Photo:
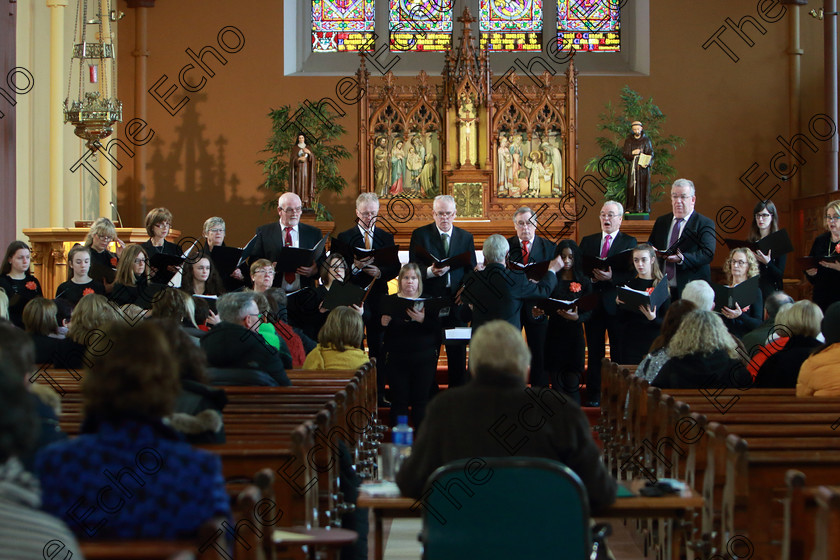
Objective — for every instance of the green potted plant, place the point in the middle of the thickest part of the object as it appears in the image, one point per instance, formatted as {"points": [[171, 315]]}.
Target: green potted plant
{"points": [[321, 131], [616, 122]]}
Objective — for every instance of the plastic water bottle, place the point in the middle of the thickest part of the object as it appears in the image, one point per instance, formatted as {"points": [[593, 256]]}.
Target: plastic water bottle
{"points": [[402, 436]]}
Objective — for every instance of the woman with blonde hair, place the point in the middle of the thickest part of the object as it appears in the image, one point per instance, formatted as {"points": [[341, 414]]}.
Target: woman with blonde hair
{"points": [[103, 263], [703, 354], [39, 320], [826, 276], [739, 267], [90, 316], [339, 342], [797, 328]]}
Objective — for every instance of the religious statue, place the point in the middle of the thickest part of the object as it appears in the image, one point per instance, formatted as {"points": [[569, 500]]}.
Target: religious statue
{"points": [[638, 151], [555, 158], [397, 168], [504, 169], [467, 149], [380, 167], [302, 166]]}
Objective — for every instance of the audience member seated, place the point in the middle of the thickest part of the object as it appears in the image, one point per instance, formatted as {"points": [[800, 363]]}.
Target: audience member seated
{"points": [[204, 318], [235, 343], [758, 337], [103, 263], [296, 340], [700, 293], [269, 333], [25, 530], [799, 324], [166, 488], [90, 315], [63, 314], [18, 353], [4, 305], [458, 420], [132, 280], [198, 409], [658, 354], [174, 304], [339, 342], [819, 375], [739, 267], [17, 280], [703, 354], [80, 283], [201, 278], [39, 320]]}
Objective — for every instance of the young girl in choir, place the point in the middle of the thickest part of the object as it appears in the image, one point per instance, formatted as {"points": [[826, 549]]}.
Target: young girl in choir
{"points": [[771, 268], [200, 278], [565, 347], [132, 281], [640, 327], [80, 283], [740, 266], [15, 278]]}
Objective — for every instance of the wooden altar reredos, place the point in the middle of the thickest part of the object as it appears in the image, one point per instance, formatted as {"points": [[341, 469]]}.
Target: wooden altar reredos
{"points": [[467, 136]]}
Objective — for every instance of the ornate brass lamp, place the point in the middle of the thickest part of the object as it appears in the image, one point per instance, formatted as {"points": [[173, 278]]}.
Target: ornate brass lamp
{"points": [[93, 70]]}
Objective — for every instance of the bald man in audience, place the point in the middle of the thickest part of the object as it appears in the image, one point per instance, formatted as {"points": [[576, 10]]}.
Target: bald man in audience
{"points": [[488, 411], [757, 337]]}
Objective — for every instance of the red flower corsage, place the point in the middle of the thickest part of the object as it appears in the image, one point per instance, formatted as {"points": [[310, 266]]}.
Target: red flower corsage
{"points": [[87, 291], [650, 290], [114, 261], [31, 285], [574, 287], [837, 248]]}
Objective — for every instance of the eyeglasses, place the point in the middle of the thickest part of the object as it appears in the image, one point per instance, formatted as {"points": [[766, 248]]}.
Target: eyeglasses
{"points": [[739, 263], [444, 214], [217, 230], [764, 216], [139, 261], [680, 196], [368, 214], [104, 237], [610, 215], [267, 271], [290, 210], [832, 218], [525, 224]]}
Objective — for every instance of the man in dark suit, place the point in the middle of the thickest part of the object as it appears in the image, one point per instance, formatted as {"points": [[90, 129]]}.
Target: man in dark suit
{"points": [[696, 234], [235, 342], [288, 232], [366, 235], [442, 239], [527, 247], [609, 242], [494, 292]]}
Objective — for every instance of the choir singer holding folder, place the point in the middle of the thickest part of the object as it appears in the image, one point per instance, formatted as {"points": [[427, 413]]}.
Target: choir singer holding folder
{"points": [[287, 232]]}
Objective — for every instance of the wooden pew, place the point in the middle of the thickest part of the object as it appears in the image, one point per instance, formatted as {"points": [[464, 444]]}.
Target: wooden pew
{"points": [[827, 546]]}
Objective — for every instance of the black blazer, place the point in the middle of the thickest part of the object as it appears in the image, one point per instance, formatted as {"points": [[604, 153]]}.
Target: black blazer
{"points": [[498, 293], [826, 281], [381, 238], [591, 245], [233, 346], [698, 255], [269, 243], [541, 249], [460, 241]]}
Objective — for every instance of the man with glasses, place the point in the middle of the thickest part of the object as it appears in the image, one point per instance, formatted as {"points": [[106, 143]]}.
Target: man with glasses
{"points": [[527, 247], [610, 241], [288, 232], [442, 239], [696, 234], [366, 235]]}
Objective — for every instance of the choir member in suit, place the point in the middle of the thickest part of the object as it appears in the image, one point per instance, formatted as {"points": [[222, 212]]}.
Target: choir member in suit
{"points": [[771, 268], [692, 260], [80, 283], [103, 263], [17, 280], [826, 277], [609, 242], [365, 234], [442, 239], [494, 292], [528, 247], [566, 349], [740, 266], [214, 235], [287, 232], [639, 330]]}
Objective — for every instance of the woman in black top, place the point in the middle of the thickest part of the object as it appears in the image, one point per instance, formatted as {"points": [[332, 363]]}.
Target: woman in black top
{"points": [[800, 324], [771, 268], [739, 267], [158, 224], [103, 263], [132, 283], [18, 282], [410, 346], [214, 235], [80, 283], [306, 309], [826, 277], [640, 327], [565, 347], [39, 320], [200, 278]]}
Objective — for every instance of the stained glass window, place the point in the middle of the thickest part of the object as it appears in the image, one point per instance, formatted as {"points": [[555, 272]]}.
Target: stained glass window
{"points": [[418, 25], [342, 25], [588, 25], [510, 25]]}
